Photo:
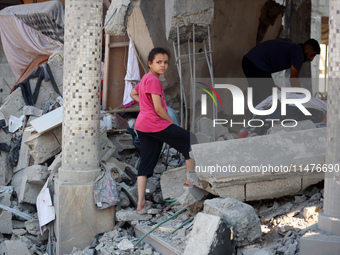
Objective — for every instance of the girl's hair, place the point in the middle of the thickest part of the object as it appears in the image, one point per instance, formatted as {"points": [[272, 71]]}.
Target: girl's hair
{"points": [[156, 51]]}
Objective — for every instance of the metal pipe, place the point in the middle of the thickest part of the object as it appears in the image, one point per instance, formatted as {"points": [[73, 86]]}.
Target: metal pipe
{"points": [[192, 127]]}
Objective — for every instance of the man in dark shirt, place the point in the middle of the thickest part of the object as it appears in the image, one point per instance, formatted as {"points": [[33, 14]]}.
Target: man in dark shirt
{"points": [[274, 56]]}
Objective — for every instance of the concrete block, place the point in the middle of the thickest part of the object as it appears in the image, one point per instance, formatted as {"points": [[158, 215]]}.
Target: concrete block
{"points": [[193, 199], [6, 222], [43, 147], [131, 215], [319, 243], [255, 251], [37, 174], [5, 199], [107, 148], [172, 182], [32, 111], [205, 126], [131, 192], [273, 189], [115, 18], [122, 142], [184, 14], [212, 238], [32, 227], [242, 217], [24, 156], [79, 221], [14, 247], [29, 191]]}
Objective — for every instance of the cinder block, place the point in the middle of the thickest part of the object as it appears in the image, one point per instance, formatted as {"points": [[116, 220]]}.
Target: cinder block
{"points": [[14, 247], [122, 142], [45, 146], [6, 222], [212, 238], [273, 189], [242, 217], [172, 182]]}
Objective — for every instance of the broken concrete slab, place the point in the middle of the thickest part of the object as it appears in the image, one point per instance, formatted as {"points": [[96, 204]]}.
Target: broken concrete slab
{"points": [[32, 227], [122, 142], [242, 217], [45, 146], [115, 19], [131, 215], [5, 222], [212, 238], [193, 199], [14, 247], [255, 251], [5, 199], [6, 172], [278, 161], [185, 13], [172, 182]]}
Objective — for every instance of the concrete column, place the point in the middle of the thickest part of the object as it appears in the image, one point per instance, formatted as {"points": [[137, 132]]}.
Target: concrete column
{"points": [[78, 220], [329, 221], [327, 239]]}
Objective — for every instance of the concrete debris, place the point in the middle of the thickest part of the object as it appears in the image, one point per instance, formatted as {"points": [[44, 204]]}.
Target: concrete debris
{"points": [[240, 216], [45, 146], [123, 143], [205, 126], [14, 247], [6, 222], [193, 199], [115, 19], [212, 238], [301, 125], [131, 215], [183, 14], [32, 111]]}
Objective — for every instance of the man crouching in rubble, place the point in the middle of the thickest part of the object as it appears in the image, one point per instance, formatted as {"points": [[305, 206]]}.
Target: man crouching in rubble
{"points": [[274, 56], [154, 125]]}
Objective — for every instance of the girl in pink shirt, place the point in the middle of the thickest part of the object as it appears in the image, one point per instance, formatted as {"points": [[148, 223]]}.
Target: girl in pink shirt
{"points": [[154, 125]]}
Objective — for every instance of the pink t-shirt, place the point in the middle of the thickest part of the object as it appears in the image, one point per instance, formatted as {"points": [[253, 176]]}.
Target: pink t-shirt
{"points": [[148, 120]]}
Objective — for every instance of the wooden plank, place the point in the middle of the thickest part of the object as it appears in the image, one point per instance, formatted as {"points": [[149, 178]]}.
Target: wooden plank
{"points": [[48, 121], [118, 44], [106, 71]]}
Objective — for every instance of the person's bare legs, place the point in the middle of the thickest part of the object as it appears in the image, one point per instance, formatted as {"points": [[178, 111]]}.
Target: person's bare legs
{"points": [[141, 187]]}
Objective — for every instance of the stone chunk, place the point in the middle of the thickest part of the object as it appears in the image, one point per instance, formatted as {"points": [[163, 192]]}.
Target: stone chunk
{"points": [[37, 174], [242, 217], [193, 199], [5, 223], [212, 238], [185, 13], [172, 182], [14, 247], [131, 215], [29, 191], [33, 111], [24, 156], [32, 226], [115, 17], [53, 168], [45, 146]]}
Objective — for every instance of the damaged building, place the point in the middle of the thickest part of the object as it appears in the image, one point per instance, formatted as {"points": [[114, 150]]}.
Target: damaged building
{"points": [[70, 153]]}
